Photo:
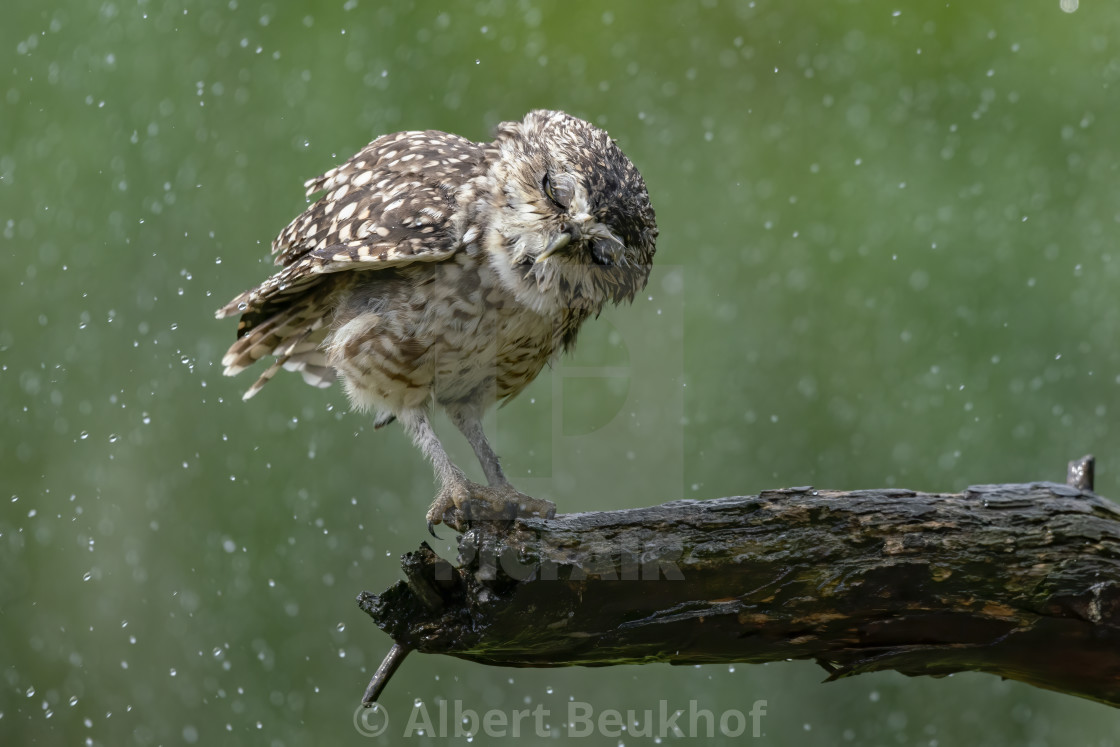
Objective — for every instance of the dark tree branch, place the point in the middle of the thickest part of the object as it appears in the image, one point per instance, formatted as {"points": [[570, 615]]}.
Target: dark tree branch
{"points": [[1022, 581]]}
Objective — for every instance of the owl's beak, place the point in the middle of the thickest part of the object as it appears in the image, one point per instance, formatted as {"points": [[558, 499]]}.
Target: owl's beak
{"points": [[569, 233], [559, 241]]}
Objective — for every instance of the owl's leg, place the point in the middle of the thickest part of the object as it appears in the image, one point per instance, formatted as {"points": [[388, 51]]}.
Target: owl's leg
{"points": [[500, 500], [451, 502], [460, 501], [470, 425]]}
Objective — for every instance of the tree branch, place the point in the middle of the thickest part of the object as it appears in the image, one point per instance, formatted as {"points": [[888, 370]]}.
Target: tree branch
{"points": [[1022, 581]]}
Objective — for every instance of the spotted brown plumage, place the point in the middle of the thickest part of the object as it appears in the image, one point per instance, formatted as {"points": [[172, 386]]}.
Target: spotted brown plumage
{"points": [[436, 271]]}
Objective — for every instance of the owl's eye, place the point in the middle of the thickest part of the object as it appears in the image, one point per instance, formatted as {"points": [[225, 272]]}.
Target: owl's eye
{"points": [[552, 193]]}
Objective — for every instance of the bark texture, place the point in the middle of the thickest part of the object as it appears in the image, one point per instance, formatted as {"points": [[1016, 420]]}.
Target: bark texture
{"points": [[1021, 581]]}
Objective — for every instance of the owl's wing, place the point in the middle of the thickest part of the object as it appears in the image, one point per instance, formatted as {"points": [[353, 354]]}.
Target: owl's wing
{"points": [[391, 204]]}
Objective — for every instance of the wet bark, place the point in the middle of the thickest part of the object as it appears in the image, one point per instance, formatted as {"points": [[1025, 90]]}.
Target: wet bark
{"points": [[1019, 580]]}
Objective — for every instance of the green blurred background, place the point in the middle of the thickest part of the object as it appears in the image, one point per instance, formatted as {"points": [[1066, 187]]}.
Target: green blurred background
{"points": [[888, 257]]}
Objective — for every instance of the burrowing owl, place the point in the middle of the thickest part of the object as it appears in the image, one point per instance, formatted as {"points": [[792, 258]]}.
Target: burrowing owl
{"points": [[436, 270]]}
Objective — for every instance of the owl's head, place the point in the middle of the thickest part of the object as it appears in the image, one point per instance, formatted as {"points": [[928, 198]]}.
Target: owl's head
{"points": [[570, 224]]}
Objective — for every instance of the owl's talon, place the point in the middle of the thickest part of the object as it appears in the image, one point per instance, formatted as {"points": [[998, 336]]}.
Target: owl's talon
{"points": [[460, 506], [432, 529]]}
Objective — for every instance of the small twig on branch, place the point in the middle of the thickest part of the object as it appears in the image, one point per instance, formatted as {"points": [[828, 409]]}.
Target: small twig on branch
{"points": [[384, 672], [1021, 581], [1079, 473]]}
